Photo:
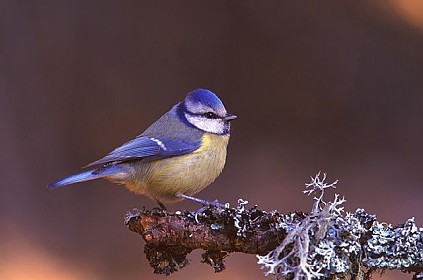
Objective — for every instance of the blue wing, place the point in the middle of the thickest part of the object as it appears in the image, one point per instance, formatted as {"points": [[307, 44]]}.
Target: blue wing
{"points": [[144, 146]]}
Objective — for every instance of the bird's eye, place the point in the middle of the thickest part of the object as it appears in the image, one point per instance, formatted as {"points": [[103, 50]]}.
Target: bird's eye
{"points": [[210, 115]]}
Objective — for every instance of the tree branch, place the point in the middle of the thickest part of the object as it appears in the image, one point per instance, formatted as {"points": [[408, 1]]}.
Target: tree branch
{"points": [[171, 236], [324, 244]]}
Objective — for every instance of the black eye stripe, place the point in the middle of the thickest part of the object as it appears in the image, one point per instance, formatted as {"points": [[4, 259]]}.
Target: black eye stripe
{"points": [[207, 115], [210, 115]]}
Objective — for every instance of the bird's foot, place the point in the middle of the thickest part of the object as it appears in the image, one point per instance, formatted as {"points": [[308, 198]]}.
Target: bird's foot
{"points": [[202, 201]]}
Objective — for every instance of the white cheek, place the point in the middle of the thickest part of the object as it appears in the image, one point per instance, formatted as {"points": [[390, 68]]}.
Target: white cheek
{"points": [[209, 125]]}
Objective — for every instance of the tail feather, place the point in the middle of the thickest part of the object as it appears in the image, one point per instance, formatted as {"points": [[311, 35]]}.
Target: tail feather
{"points": [[87, 176]]}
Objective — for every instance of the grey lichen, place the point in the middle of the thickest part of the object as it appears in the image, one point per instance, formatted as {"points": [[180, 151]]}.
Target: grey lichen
{"points": [[390, 247], [329, 243], [240, 221]]}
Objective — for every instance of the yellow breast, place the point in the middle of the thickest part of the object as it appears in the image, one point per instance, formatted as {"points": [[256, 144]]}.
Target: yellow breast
{"points": [[187, 174]]}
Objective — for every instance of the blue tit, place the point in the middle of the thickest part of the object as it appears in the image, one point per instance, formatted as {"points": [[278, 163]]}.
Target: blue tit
{"points": [[176, 157]]}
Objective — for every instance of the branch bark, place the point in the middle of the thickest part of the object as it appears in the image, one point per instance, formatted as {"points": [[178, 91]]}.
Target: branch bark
{"points": [[319, 245]]}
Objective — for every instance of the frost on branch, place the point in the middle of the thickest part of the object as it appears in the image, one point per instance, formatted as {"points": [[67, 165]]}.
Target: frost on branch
{"points": [[323, 244]]}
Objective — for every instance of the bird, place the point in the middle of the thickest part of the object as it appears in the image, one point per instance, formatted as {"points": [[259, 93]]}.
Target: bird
{"points": [[177, 156]]}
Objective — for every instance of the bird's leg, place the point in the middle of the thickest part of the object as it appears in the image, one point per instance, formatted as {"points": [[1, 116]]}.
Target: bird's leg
{"points": [[202, 201], [161, 205]]}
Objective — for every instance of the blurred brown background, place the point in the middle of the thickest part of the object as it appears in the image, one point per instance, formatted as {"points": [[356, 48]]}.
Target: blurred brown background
{"points": [[332, 86]]}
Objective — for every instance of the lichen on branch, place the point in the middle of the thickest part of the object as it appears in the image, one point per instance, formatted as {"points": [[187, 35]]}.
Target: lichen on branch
{"points": [[326, 243], [219, 231]]}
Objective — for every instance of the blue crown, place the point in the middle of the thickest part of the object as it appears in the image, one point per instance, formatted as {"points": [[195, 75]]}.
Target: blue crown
{"points": [[205, 97]]}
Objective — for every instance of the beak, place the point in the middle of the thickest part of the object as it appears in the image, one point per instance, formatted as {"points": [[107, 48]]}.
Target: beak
{"points": [[230, 117]]}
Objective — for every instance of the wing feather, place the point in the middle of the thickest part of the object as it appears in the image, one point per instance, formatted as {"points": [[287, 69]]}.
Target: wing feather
{"points": [[144, 146], [136, 148]]}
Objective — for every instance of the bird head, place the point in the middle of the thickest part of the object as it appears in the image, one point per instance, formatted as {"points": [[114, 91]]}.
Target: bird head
{"points": [[204, 110]]}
